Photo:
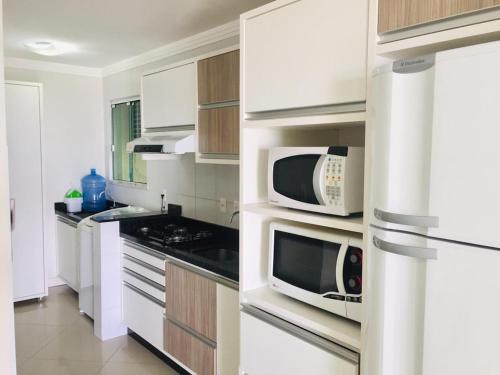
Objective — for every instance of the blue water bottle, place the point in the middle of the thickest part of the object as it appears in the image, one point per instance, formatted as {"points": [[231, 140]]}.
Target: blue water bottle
{"points": [[94, 187]]}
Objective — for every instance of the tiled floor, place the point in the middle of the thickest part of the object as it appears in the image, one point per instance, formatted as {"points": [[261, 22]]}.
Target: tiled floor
{"points": [[53, 338]]}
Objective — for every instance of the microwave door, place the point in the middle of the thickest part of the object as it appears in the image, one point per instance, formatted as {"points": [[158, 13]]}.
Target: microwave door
{"points": [[318, 180]]}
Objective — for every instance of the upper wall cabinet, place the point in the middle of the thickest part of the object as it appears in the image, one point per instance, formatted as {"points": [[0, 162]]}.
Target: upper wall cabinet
{"points": [[219, 78], [304, 54], [169, 97], [218, 108], [400, 14]]}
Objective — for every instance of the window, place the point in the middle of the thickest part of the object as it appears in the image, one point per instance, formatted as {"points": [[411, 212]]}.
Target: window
{"points": [[126, 123]]}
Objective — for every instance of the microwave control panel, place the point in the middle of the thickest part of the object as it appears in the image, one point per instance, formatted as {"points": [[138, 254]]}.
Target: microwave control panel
{"points": [[334, 180]]}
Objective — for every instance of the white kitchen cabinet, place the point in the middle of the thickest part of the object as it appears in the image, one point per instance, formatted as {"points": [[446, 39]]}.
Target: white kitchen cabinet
{"points": [[67, 252], [303, 54], [143, 315], [169, 97], [271, 346], [228, 330], [24, 139]]}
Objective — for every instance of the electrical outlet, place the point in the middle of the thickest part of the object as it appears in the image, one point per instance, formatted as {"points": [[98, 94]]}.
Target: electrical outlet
{"points": [[236, 205], [223, 205]]}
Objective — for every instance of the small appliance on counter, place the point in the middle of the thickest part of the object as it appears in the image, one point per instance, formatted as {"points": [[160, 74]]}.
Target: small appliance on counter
{"points": [[328, 180], [73, 199], [323, 269], [94, 188]]}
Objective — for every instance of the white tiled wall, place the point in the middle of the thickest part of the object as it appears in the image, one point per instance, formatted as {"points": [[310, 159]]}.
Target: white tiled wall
{"points": [[197, 187]]}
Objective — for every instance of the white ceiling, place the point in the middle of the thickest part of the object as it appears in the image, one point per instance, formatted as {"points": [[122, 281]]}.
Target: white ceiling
{"points": [[108, 31]]}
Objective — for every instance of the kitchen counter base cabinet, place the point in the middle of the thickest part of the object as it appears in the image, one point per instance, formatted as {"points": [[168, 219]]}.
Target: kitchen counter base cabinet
{"points": [[67, 237], [143, 315], [190, 350], [304, 54], [268, 349]]}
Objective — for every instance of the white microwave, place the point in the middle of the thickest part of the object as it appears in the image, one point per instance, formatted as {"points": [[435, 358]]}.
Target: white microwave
{"points": [[321, 268], [328, 180]]}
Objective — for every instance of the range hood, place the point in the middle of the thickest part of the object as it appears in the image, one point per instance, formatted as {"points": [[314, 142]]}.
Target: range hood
{"points": [[174, 143]]}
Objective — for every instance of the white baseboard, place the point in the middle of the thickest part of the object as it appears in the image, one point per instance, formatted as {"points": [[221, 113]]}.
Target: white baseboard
{"points": [[56, 281]]}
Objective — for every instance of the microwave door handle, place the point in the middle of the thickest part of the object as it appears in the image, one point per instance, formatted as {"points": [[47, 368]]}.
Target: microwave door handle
{"points": [[409, 251], [411, 220], [319, 185], [339, 270]]}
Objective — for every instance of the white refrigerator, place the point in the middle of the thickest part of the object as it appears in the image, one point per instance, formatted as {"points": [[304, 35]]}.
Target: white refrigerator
{"points": [[433, 298]]}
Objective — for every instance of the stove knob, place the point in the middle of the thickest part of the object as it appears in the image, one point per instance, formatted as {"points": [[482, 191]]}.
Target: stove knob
{"points": [[356, 258], [354, 283]]}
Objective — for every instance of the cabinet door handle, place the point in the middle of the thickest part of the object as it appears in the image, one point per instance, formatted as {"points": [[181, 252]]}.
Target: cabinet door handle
{"points": [[12, 214], [412, 220], [409, 251]]}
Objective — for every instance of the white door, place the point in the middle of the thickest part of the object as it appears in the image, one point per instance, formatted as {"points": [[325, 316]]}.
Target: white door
{"points": [[269, 350], [169, 97], [25, 166], [304, 53], [433, 307]]}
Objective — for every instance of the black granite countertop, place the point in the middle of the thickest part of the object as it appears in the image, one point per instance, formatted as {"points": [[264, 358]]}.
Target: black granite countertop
{"points": [[60, 209], [227, 240]]}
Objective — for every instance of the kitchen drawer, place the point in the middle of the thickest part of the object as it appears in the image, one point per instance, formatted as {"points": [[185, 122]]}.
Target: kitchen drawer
{"points": [[144, 269], [146, 255], [153, 289], [271, 346], [143, 315], [188, 349], [192, 301]]}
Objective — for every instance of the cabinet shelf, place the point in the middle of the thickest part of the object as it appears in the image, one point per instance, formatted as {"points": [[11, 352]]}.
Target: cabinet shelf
{"points": [[352, 224], [338, 120], [327, 325], [441, 40]]}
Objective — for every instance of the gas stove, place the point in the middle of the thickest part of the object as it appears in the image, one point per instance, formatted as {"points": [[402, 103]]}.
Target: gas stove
{"points": [[177, 233], [171, 234]]}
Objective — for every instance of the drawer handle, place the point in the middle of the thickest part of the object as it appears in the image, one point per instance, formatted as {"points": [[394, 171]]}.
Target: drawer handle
{"points": [[144, 264], [161, 288], [144, 294], [192, 332], [145, 250]]}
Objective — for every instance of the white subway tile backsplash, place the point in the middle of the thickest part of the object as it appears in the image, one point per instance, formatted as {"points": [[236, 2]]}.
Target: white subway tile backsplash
{"points": [[196, 187], [205, 181], [227, 182], [206, 210]]}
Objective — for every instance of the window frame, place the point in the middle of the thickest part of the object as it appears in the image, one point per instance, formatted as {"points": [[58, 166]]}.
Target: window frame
{"points": [[128, 184]]}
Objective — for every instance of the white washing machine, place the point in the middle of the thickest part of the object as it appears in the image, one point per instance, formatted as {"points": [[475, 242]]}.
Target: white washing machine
{"points": [[86, 229]]}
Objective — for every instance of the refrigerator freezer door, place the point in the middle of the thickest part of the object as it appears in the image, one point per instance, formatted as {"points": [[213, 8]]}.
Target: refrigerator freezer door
{"points": [[433, 317], [402, 130], [464, 178], [436, 153]]}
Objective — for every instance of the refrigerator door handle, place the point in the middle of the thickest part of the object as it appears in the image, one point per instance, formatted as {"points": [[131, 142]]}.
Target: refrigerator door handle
{"points": [[409, 251], [413, 220]]}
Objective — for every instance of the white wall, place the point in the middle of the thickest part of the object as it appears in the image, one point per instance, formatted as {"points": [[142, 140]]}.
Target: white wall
{"points": [[197, 187], [73, 139], [7, 347]]}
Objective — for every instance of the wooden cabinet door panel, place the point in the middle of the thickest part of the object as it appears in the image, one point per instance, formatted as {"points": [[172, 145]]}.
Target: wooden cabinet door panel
{"points": [[192, 301], [398, 14], [219, 130], [189, 350], [219, 78]]}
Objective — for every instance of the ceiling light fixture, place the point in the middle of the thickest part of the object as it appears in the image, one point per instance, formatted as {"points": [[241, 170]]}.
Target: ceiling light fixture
{"points": [[47, 48]]}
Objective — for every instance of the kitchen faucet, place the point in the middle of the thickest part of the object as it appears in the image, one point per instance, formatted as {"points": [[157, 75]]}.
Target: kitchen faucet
{"points": [[233, 215]]}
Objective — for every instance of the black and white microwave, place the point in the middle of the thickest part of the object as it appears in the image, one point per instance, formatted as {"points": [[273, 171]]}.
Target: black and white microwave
{"points": [[328, 180], [321, 268]]}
